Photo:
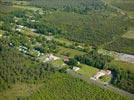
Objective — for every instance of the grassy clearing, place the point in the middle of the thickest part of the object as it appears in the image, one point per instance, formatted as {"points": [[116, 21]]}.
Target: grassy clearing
{"points": [[64, 87], [64, 41], [129, 34], [106, 78], [19, 90], [131, 14], [69, 52], [27, 8], [58, 63], [87, 71], [124, 65]]}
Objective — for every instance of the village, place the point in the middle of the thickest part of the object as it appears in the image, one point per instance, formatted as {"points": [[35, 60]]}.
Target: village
{"points": [[58, 59], [48, 48]]}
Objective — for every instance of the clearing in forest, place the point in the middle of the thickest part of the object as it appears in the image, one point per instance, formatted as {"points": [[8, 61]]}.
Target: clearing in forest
{"points": [[87, 71], [129, 34]]}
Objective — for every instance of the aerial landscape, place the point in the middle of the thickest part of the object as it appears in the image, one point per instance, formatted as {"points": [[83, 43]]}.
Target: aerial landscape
{"points": [[66, 49]]}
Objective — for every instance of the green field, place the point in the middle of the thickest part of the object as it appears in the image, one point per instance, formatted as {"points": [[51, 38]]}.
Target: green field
{"points": [[87, 71], [105, 78], [124, 65], [129, 34], [69, 52], [64, 87], [64, 41], [58, 63]]}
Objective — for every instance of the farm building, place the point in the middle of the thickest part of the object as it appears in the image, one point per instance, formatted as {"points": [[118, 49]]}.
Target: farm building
{"points": [[100, 74], [66, 59]]}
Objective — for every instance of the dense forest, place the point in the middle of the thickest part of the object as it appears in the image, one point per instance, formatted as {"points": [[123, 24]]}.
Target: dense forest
{"points": [[79, 6], [14, 67], [94, 59], [74, 89]]}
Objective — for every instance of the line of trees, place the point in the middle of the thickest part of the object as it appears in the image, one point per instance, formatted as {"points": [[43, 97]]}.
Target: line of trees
{"points": [[94, 59], [123, 78]]}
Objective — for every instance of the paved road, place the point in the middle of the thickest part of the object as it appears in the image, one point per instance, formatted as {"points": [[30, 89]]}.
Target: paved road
{"points": [[100, 84]]}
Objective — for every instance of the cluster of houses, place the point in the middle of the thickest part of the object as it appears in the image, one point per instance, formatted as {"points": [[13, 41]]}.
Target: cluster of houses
{"points": [[33, 52], [19, 28], [23, 49], [37, 53], [100, 74]]}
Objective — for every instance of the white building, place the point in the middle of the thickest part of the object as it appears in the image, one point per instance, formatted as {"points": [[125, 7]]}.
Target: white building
{"points": [[76, 68], [23, 49], [20, 26], [33, 30], [100, 74]]}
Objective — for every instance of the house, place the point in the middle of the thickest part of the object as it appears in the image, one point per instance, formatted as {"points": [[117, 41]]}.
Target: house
{"points": [[100, 74], [18, 29], [23, 49], [66, 59], [20, 26], [52, 57], [33, 21], [33, 30], [76, 68], [79, 46]]}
